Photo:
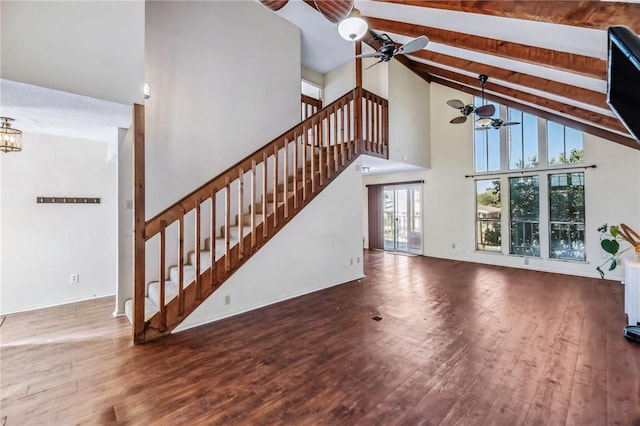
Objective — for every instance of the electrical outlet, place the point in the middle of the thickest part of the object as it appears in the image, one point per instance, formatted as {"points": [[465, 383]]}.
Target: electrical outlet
{"points": [[453, 246], [358, 260], [352, 261], [74, 278], [526, 260], [128, 204], [227, 299]]}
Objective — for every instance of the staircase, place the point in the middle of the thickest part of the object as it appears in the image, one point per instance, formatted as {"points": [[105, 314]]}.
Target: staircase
{"points": [[237, 212]]}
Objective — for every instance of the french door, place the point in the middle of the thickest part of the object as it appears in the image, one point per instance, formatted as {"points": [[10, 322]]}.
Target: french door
{"points": [[403, 219]]}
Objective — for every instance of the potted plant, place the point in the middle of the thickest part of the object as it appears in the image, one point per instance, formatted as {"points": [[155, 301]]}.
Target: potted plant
{"points": [[610, 238]]}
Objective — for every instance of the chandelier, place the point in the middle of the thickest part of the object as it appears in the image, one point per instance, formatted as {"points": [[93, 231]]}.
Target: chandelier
{"points": [[10, 139]]}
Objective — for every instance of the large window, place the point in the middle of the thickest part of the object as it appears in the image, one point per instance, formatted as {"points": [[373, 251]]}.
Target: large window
{"points": [[524, 212], [488, 215], [523, 140], [566, 216], [486, 146], [564, 145]]}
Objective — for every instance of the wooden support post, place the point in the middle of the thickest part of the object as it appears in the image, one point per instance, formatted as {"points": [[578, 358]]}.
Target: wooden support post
{"points": [[162, 279], [253, 205], [198, 250], [138, 224], [265, 159], [212, 241], [240, 213], [181, 265], [286, 177], [227, 225]]}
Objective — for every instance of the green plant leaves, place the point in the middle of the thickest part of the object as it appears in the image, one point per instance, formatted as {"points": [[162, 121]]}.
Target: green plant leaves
{"points": [[613, 264], [610, 246], [600, 271]]}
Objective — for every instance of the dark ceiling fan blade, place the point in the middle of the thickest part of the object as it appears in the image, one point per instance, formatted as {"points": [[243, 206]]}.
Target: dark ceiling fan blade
{"points": [[370, 55], [482, 128], [485, 110], [455, 103], [510, 123], [373, 65], [459, 120], [414, 45]]}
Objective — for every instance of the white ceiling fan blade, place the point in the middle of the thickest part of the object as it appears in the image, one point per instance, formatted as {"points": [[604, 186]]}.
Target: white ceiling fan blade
{"points": [[373, 65], [370, 55], [413, 45]]}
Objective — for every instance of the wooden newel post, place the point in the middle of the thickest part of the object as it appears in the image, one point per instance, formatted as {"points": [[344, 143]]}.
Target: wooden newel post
{"points": [[138, 225]]}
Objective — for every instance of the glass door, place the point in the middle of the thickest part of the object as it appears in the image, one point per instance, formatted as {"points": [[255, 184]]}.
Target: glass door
{"points": [[403, 219]]}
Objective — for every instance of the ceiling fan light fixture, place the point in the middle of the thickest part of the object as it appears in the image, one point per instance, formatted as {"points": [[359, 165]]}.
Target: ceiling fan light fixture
{"points": [[354, 27], [484, 122], [10, 139]]}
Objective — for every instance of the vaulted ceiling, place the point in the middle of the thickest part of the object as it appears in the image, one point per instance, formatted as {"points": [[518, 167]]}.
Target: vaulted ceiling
{"points": [[544, 57]]}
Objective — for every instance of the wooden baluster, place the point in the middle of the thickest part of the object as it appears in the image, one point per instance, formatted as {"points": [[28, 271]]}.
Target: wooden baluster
{"points": [[327, 157], [320, 149], [163, 309], [181, 265], [304, 165], [349, 121], [240, 213], [295, 171], [253, 204], [376, 132], [335, 138], [385, 134], [366, 121], [198, 268], [139, 224], [275, 185], [264, 194], [286, 177], [313, 158], [212, 241], [342, 136], [227, 225]]}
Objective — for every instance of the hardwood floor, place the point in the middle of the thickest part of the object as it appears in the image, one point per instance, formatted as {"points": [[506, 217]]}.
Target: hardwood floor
{"points": [[458, 343]]}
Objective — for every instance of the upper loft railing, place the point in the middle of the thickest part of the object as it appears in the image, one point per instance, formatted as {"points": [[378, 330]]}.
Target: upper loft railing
{"points": [[309, 106], [238, 211]]}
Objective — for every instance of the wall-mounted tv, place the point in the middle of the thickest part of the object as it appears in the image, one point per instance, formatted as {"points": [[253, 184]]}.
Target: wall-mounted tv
{"points": [[623, 77]]}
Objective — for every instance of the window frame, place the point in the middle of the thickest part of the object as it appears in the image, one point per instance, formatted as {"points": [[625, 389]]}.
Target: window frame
{"points": [[551, 222]]}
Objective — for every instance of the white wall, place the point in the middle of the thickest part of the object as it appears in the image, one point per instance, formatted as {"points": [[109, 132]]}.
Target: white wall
{"points": [[338, 82], [312, 252], [92, 48], [611, 194], [124, 289], [409, 117], [44, 243], [225, 79], [312, 76]]}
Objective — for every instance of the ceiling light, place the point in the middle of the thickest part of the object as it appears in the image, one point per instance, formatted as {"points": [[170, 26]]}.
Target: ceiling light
{"points": [[147, 90], [10, 139], [354, 27], [484, 122]]}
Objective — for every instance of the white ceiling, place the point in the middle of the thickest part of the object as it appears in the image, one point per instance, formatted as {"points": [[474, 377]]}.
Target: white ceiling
{"points": [[47, 111], [323, 49]]}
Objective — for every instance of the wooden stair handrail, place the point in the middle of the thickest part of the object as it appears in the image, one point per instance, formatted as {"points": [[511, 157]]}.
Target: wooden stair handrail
{"points": [[329, 141], [187, 202]]}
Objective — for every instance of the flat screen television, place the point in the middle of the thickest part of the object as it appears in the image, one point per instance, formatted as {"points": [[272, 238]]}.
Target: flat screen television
{"points": [[623, 77]]}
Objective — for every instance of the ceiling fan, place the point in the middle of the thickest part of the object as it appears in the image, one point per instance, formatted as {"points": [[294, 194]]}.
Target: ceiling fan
{"points": [[483, 111], [492, 123], [388, 48]]}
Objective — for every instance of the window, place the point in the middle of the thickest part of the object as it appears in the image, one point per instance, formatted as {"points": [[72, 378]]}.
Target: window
{"points": [[488, 215], [564, 145], [566, 216], [523, 140], [486, 146], [524, 202]]}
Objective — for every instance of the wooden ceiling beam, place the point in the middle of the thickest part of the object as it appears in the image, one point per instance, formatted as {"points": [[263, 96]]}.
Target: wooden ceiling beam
{"points": [[578, 64], [588, 14], [580, 113], [587, 96], [575, 124]]}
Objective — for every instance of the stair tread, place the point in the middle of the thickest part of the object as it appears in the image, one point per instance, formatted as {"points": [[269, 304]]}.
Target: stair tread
{"points": [[150, 309]]}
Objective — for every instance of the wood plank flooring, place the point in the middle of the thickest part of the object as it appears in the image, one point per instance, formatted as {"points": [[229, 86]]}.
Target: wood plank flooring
{"points": [[458, 344]]}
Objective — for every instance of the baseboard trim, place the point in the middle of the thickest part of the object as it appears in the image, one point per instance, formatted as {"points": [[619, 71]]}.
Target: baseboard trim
{"points": [[70, 302], [272, 302]]}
